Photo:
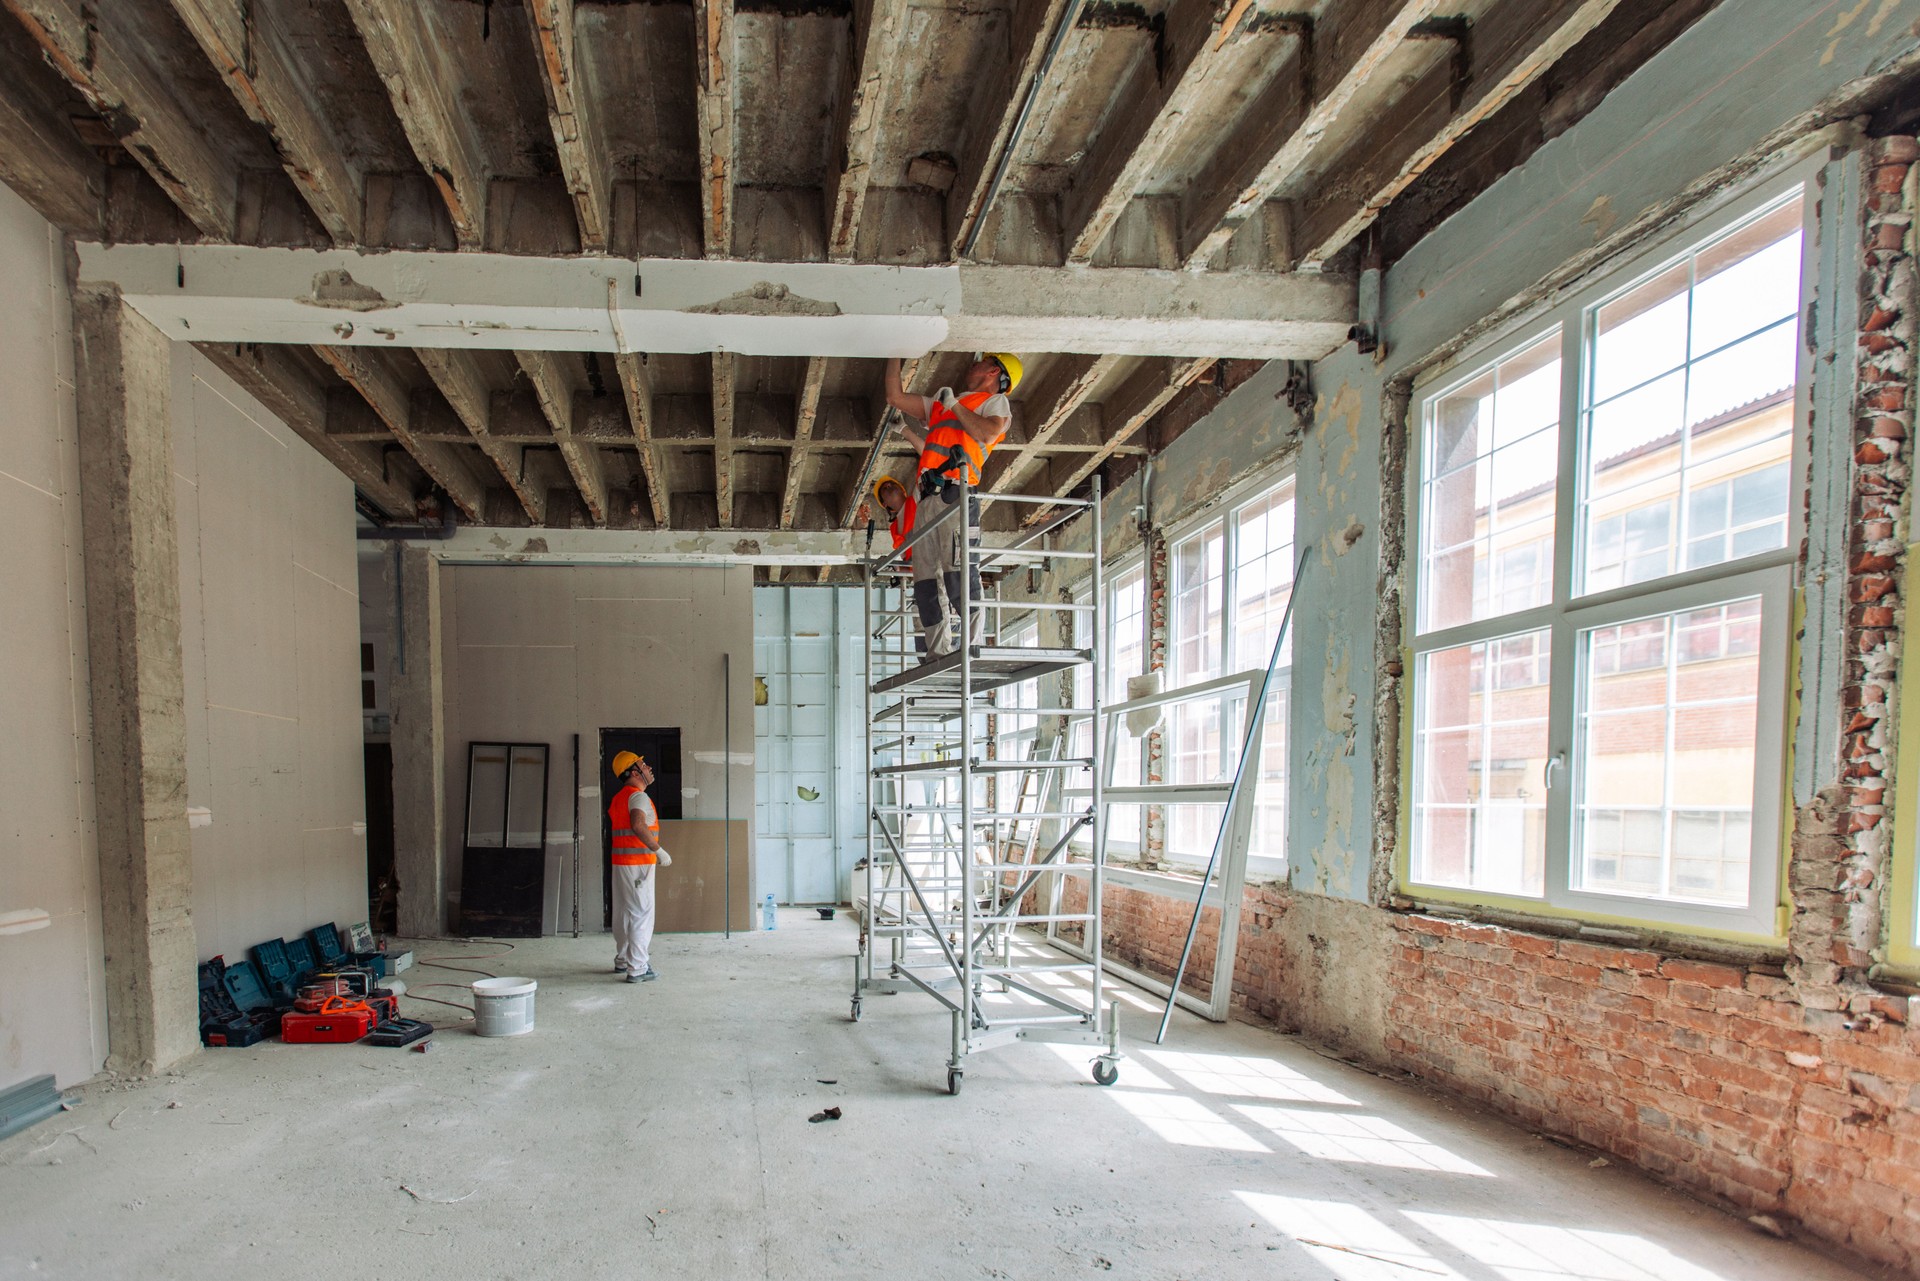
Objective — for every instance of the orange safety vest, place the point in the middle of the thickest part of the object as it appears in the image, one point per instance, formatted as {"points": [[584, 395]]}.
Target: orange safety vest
{"points": [[628, 849], [901, 527], [950, 446]]}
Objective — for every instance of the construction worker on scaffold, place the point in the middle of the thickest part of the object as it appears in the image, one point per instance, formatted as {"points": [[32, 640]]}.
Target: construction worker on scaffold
{"points": [[961, 431]]}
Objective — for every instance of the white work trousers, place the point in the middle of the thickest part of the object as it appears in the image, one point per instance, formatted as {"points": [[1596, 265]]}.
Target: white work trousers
{"points": [[633, 915]]}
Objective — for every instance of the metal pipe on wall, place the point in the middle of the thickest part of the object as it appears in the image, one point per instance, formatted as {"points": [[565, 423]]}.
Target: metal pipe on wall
{"points": [[576, 836]]}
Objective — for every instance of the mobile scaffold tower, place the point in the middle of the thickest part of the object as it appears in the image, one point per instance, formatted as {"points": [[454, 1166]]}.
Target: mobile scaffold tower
{"points": [[949, 886]]}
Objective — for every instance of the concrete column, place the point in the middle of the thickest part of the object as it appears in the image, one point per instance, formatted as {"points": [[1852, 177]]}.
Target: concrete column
{"points": [[139, 718], [419, 735]]}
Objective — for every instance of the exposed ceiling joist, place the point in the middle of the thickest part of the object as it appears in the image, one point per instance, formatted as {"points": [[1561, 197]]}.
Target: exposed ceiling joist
{"points": [[1508, 50], [368, 373], [879, 32], [411, 60], [1339, 63], [274, 377], [725, 385], [715, 53], [228, 293], [41, 156], [636, 385], [573, 114], [249, 51], [1144, 394], [458, 376], [555, 392], [806, 413], [1069, 394], [107, 53]]}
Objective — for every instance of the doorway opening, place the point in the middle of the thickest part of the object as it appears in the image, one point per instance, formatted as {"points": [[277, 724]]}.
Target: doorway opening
{"points": [[660, 748]]}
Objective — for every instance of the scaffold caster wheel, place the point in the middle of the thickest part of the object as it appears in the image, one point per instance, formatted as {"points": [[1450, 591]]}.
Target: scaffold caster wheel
{"points": [[855, 1013], [1105, 1073], [953, 1080]]}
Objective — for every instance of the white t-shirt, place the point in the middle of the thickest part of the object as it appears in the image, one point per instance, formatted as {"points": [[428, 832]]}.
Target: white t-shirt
{"points": [[640, 806]]}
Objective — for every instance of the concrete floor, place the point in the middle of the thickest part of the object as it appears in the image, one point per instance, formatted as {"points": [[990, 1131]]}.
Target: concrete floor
{"points": [[662, 1130]]}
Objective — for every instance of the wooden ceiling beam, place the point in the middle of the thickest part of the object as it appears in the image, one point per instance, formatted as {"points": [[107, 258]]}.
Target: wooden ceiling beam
{"points": [[715, 58], [296, 396], [1501, 54], [1337, 63], [41, 157], [574, 115], [725, 392], [107, 53], [636, 384], [412, 61], [555, 392], [1083, 374], [1134, 403], [806, 414], [879, 36], [995, 108], [460, 379], [248, 49], [392, 400], [1133, 148]]}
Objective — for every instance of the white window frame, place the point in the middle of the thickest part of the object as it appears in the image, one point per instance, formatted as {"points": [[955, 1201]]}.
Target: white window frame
{"points": [[1768, 575]]}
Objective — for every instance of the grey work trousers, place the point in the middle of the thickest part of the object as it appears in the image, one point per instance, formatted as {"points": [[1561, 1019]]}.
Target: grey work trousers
{"points": [[939, 565]]}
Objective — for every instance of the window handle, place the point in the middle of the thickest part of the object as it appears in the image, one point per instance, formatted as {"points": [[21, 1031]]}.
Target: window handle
{"points": [[1557, 761]]}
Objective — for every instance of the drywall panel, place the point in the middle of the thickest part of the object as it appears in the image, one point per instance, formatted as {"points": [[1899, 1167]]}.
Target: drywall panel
{"points": [[270, 634], [537, 654], [691, 896], [52, 980]]}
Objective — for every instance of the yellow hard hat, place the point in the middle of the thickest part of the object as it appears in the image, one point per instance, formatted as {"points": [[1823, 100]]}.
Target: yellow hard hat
{"points": [[624, 761], [879, 481], [1011, 363]]}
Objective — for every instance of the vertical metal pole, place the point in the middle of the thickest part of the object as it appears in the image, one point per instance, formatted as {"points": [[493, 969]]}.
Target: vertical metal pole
{"points": [[863, 959], [967, 563], [576, 836], [1097, 881], [726, 785]]}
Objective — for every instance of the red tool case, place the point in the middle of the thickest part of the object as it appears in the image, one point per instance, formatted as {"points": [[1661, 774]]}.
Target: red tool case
{"points": [[338, 1021]]}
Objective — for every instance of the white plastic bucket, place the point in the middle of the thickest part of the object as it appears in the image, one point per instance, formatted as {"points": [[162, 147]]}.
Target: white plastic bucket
{"points": [[503, 1007]]}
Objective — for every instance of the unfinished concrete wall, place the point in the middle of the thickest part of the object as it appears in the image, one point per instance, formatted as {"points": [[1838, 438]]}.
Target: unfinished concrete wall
{"points": [[539, 654], [52, 979], [270, 634]]}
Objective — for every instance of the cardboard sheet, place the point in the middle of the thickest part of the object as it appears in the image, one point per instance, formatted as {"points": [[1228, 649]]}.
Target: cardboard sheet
{"points": [[690, 898]]}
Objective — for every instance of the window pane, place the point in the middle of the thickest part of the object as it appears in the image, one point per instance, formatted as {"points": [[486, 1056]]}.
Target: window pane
{"points": [[1690, 407], [1194, 619], [1481, 745], [1263, 561], [1487, 489], [1665, 755]]}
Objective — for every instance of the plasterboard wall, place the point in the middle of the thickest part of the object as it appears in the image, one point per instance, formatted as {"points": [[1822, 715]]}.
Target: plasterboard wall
{"points": [[537, 654], [52, 980], [270, 638]]}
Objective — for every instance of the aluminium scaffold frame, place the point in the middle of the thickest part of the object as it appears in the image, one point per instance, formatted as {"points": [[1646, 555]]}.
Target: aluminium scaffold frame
{"points": [[947, 919]]}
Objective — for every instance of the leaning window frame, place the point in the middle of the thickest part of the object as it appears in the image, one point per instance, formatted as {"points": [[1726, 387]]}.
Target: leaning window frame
{"points": [[1903, 906], [1771, 575]]}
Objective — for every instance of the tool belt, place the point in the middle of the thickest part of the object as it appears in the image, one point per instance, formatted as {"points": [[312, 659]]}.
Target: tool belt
{"points": [[941, 480]]}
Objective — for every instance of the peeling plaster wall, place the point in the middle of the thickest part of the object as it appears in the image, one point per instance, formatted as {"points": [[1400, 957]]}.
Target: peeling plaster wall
{"points": [[270, 634], [52, 978], [539, 654]]}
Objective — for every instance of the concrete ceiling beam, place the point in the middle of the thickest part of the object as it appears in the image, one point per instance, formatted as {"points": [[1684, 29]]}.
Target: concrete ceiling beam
{"points": [[636, 386], [107, 52], [41, 156], [806, 414], [368, 373], [460, 379], [1068, 393], [272, 376], [555, 392], [644, 547], [1132, 149], [224, 293], [1144, 394], [573, 114], [1343, 57], [411, 59], [715, 54], [1502, 53], [247, 47], [879, 34]]}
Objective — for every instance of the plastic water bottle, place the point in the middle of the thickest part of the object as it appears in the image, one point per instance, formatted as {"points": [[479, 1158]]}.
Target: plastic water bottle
{"points": [[767, 918]]}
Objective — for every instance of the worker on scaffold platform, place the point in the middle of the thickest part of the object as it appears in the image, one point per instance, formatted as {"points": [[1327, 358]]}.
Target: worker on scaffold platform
{"points": [[961, 431], [900, 508]]}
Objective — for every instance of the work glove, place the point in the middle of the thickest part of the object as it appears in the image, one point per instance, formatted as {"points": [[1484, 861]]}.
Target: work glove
{"points": [[666, 859], [946, 397]]}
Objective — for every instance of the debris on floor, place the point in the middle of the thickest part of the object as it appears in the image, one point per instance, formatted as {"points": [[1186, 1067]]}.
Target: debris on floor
{"points": [[830, 1114]]}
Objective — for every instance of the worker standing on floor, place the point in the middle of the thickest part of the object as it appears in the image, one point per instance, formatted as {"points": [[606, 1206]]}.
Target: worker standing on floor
{"points": [[961, 430], [636, 854]]}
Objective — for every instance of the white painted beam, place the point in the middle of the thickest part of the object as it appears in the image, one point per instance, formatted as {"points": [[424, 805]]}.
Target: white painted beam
{"points": [[225, 293], [473, 546]]}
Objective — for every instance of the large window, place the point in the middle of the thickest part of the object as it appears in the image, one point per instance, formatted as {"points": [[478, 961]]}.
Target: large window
{"points": [[1604, 512], [1126, 655]]}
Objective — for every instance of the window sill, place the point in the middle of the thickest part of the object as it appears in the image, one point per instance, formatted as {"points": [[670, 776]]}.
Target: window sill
{"points": [[1765, 957]]}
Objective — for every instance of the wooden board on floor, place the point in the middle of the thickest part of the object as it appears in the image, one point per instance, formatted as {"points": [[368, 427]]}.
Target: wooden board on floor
{"points": [[691, 896]]}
